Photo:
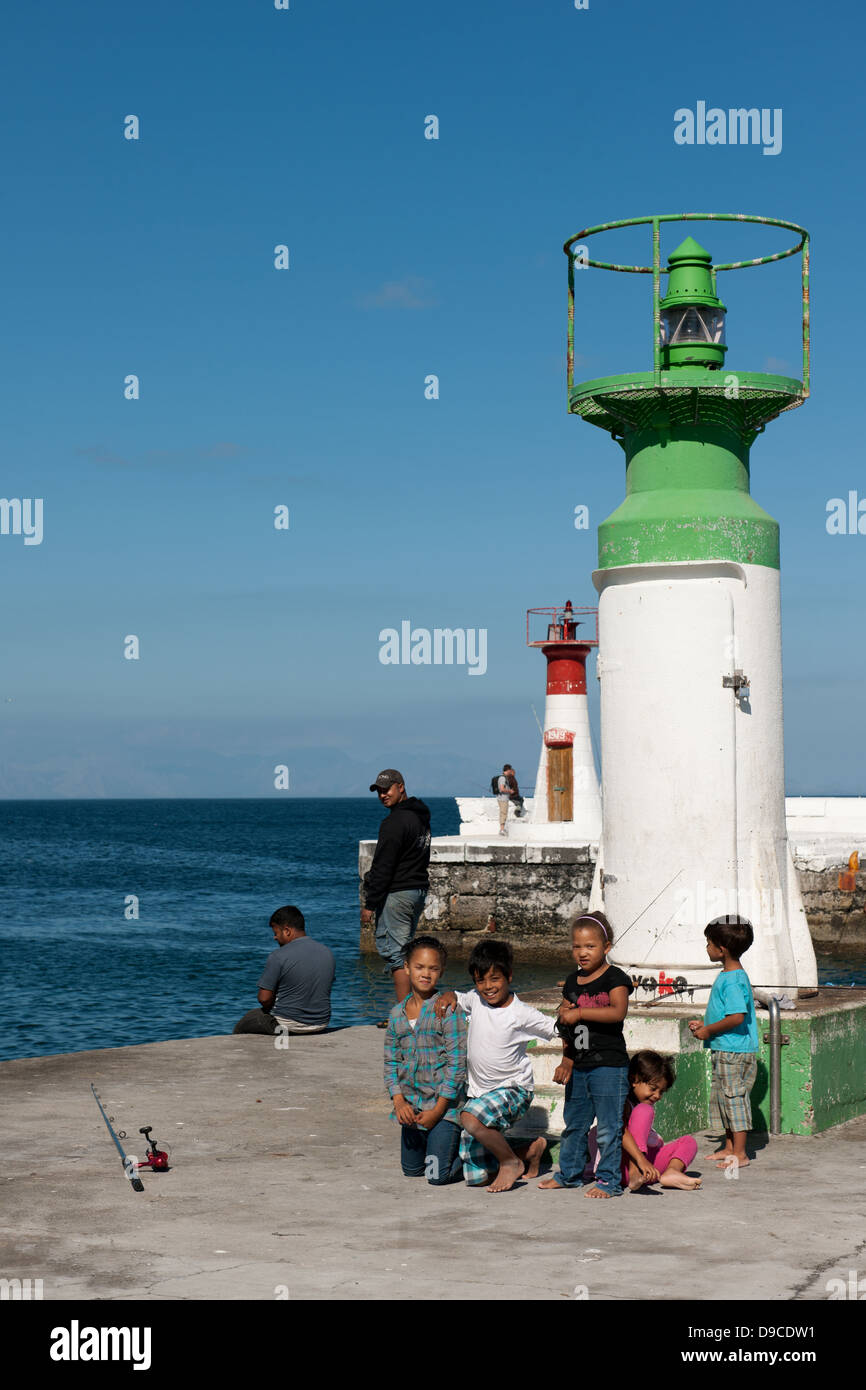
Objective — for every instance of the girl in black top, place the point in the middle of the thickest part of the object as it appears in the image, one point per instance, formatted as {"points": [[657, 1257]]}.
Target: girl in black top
{"points": [[595, 1062]]}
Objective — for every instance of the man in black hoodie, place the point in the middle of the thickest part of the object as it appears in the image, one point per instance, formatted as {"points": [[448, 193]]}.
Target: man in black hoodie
{"points": [[396, 884]]}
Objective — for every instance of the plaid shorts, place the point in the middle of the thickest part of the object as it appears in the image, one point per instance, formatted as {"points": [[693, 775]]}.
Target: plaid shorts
{"points": [[497, 1110], [733, 1078]]}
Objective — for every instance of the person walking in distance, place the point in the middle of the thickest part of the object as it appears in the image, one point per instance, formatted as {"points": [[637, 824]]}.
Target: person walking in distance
{"points": [[395, 886], [513, 789], [503, 796]]}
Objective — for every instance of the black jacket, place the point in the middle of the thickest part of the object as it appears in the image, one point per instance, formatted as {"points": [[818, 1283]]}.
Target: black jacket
{"points": [[402, 853]]}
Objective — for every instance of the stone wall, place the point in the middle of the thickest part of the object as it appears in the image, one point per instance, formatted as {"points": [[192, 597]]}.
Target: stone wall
{"points": [[836, 918], [529, 892]]}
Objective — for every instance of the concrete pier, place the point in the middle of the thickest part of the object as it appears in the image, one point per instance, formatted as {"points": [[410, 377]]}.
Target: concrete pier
{"points": [[285, 1183]]}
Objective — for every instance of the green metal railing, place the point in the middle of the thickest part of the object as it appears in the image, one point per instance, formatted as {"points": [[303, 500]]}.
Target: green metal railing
{"points": [[656, 271]]}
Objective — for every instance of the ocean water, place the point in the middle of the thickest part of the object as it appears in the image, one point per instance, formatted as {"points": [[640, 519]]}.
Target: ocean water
{"points": [[76, 974]]}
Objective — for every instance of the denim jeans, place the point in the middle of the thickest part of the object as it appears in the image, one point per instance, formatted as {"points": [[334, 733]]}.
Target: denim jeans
{"points": [[600, 1092], [396, 921], [431, 1154]]}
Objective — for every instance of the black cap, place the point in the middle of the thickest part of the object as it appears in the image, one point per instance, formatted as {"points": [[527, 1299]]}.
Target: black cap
{"points": [[386, 779]]}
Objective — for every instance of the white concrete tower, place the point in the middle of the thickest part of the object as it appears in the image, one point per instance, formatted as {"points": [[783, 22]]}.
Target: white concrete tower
{"points": [[690, 660]]}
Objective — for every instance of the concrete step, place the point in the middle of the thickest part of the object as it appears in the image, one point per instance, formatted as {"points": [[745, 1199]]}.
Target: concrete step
{"points": [[544, 1116], [545, 1060]]}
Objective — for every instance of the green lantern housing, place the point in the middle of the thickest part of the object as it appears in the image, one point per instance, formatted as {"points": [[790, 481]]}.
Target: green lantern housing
{"points": [[686, 427], [692, 317]]}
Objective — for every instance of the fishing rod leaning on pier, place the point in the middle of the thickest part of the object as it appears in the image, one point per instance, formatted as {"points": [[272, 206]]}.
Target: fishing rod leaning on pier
{"points": [[128, 1163], [156, 1161]]}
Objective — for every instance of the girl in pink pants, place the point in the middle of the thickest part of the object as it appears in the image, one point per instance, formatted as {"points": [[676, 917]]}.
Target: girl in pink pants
{"points": [[646, 1158]]}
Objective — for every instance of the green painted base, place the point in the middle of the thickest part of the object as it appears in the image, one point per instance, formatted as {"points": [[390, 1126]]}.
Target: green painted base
{"points": [[823, 1065], [823, 1080]]}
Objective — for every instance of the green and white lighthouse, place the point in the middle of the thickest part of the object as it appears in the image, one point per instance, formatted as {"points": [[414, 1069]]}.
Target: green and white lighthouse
{"points": [[689, 654]]}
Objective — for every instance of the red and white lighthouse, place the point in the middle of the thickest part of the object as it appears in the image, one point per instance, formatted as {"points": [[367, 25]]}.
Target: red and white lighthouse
{"points": [[567, 800]]}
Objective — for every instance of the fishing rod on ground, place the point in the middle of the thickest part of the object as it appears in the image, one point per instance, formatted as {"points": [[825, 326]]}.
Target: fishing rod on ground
{"points": [[156, 1161], [128, 1163]]}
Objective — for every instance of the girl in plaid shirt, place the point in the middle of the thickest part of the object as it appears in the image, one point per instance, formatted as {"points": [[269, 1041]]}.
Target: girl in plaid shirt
{"points": [[425, 1070]]}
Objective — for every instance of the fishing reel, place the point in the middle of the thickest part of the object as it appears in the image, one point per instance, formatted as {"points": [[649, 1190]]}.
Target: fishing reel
{"points": [[157, 1159]]}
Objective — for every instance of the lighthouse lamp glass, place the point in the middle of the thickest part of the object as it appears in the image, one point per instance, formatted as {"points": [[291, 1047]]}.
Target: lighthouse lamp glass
{"points": [[692, 323]]}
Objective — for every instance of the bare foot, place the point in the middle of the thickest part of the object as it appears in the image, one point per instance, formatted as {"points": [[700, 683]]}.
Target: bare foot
{"points": [[718, 1153], [507, 1176], [533, 1156], [595, 1192], [637, 1181], [731, 1160], [550, 1184], [676, 1179]]}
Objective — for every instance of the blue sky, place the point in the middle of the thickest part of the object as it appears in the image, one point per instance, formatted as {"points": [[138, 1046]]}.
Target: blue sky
{"points": [[305, 387]]}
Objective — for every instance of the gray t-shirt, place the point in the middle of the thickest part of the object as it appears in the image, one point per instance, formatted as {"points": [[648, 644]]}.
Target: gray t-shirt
{"points": [[301, 974]]}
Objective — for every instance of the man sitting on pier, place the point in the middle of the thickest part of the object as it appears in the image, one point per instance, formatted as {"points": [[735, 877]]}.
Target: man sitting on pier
{"points": [[297, 978]]}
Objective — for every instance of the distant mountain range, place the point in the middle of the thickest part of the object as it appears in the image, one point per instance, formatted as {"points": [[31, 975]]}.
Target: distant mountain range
{"points": [[120, 764]]}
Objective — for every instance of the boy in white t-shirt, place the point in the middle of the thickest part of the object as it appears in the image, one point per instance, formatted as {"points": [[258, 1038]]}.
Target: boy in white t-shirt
{"points": [[499, 1072]]}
